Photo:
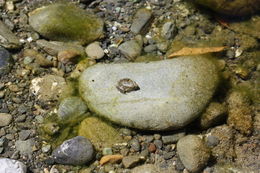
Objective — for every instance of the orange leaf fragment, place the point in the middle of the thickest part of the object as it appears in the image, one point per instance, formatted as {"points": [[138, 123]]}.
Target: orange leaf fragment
{"points": [[110, 159], [195, 51]]}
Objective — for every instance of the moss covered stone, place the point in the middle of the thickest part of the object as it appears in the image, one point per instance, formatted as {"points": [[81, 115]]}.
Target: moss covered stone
{"points": [[66, 22], [99, 132]]}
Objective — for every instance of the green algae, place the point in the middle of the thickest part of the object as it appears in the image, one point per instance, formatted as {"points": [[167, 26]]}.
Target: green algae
{"points": [[55, 131], [67, 23], [100, 132]]}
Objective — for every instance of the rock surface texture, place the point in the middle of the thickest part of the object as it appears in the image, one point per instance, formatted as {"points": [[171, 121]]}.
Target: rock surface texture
{"points": [[75, 151], [11, 166], [165, 94]]}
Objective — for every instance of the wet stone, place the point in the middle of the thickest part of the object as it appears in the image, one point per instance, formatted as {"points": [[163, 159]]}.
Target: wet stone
{"points": [[79, 26], [5, 119], [98, 87], [141, 20], [71, 107], [25, 147], [8, 39], [12, 166], [135, 145], [170, 139], [130, 161], [48, 87], [5, 61], [130, 49], [193, 153], [169, 30], [94, 51], [75, 151]]}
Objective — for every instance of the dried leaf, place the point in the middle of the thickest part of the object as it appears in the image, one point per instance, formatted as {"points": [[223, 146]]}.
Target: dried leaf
{"points": [[195, 51], [110, 159]]}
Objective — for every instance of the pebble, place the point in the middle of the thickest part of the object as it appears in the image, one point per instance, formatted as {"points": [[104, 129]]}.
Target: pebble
{"points": [[12, 166], [212, 141], [75, 151], [94, 51], [135, 145], [48, 87], [170, 139], [146, 168], [213, 115], [71, 107], [25, 147], [24, 134], [5, 61], [158, 143], [5, 119], [151, 95], [79, 26], [130, 161], [131, 49], [140, 21], [193, 153], [54, 47], [169, 30], [152, 148], [150, 48], [168, 155], [8, 39], [46, 148], [107, 151]]}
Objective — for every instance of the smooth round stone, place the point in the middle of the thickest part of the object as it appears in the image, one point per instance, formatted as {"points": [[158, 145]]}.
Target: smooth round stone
{"points": [[11, 166], [158, 95], [66, 22], [75, 151], [193, 153]]}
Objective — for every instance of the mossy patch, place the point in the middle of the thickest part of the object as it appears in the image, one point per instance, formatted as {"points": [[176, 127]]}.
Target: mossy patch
{"points": [[100, 133]]}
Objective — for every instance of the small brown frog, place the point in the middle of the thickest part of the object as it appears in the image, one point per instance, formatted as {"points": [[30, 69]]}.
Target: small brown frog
{"points": [[127, 85]]}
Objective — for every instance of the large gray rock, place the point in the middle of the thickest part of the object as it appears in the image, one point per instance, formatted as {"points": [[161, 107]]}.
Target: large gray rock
{"points": [[64, 22], [158, 95], [11, 166], [75, 151]]}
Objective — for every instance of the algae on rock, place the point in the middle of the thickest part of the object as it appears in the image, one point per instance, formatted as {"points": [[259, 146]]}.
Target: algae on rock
{"points": [[99, 132], [66, 22]]}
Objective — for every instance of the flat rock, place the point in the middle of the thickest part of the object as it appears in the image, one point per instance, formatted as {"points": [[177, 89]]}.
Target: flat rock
{"points": [[158, 95], [141, 19], [54, 47], [75, 151], [11, 166], [48, 87], [66, 22], [7, 38], [5, 119]]}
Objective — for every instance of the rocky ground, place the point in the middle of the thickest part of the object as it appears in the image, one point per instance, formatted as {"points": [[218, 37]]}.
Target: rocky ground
{"points": [[41, 94]]}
